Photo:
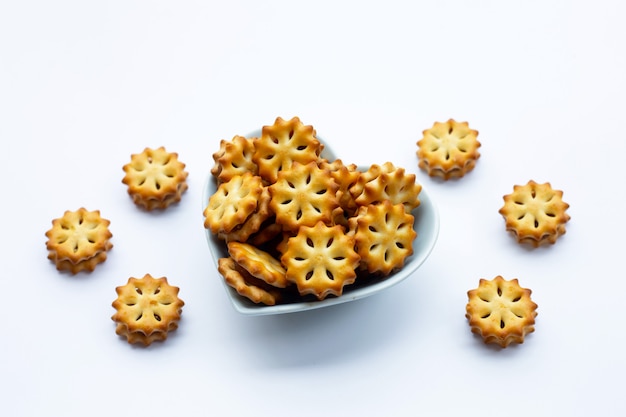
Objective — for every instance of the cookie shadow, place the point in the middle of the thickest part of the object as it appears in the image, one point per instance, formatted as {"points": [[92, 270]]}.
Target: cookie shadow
{"points": [[327, 336], [488, 350]]}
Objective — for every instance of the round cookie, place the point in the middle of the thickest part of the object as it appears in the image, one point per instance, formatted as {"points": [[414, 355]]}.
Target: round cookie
{"points": [[535, 213], [501, 311], [448, 149], [146, 309], [321, 260], [155, 178], [303, 195], [232, 203], [234, 158], [283, 143], [79, 240], [386, 182], [383, 236]]}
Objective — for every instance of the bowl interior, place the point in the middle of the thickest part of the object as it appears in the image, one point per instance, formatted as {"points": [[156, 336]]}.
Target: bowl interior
{"points": [[426, 225]]}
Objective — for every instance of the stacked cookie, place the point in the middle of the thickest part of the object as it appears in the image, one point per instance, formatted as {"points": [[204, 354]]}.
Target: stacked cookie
{"points": [[79, 240]]}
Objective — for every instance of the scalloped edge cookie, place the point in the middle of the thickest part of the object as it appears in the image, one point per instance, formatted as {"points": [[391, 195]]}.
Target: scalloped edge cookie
{"points": [[147, 309], [448, 150], [155, 178], [535, 213], [501, 311], [79, 240]]}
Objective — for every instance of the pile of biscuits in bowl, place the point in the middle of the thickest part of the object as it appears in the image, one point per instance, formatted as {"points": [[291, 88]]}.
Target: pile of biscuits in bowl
{"points": [[299, 225]]}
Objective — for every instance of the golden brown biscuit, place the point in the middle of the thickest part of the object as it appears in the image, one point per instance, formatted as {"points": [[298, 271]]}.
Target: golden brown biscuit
{"points": [[147, 309], [535, 213], [501, 311], [345, 176], [232, 203], [245, 284], [155, 178], [384, 236], [321, 260], [386, 182], [79, 240], [252, 224], [234, 158], [281, 144], [258, 263], [268, 231], [303, 195], [448, 149]]}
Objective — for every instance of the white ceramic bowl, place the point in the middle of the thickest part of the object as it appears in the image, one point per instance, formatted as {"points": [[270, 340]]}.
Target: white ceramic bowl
{"points": [[426, 225]]}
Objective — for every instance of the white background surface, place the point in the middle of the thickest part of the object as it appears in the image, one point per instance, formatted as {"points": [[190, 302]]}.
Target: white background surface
{"points": [[83, 84]]}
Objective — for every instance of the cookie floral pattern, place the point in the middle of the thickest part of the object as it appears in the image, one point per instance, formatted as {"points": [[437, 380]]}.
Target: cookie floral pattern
{"points": [[321, 260], [79, 240], [155, 178], [283, 143], [147, 309], [303, 195], [448, 149], [535, 213], [501, 311]]}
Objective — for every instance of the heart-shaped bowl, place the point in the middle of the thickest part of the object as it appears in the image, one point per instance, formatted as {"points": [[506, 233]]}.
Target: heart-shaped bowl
{"points": [[426, 225]]}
